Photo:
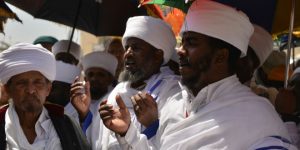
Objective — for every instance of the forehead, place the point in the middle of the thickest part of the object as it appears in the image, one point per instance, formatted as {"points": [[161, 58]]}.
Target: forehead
{"points": [[28, 75], [194, 35], [96, 70], [134, 40]]}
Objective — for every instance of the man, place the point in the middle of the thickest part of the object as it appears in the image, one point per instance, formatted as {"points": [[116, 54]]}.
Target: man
{"points": [[260, 47], [115, 48], [149, 44], [220, 112], [46, 41], [99, 69], [28, 123], [61, 86], [61, 52]]}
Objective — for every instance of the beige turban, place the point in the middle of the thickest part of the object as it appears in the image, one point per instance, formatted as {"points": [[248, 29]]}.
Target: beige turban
{"points": [[66, 72], [262, 44], [100, 59], [26, 57], [62, 46], [152, 30], [219, 21]]}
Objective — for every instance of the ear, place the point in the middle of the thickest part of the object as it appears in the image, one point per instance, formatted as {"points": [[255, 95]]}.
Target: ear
{"points": [[221, 56], [6, 89], [159, 54]]}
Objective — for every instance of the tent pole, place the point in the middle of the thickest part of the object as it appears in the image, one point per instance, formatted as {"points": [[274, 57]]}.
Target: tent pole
{"points": [[287, 61], [74, 25]]}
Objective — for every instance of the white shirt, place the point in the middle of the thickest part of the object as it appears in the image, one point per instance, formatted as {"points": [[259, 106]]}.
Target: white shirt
{"points": [[94, 130], [46, 139], [161, 86], [225, 115]]}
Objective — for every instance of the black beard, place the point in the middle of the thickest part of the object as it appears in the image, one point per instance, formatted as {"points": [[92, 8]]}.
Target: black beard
{"points": [[128, 76], [202, 67], [97, 93]]}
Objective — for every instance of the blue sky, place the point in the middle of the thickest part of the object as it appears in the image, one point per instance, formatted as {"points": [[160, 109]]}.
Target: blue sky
{"points": [[31, 28]]}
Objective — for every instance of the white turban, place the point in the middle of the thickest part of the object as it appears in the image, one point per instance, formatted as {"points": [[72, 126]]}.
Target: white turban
{"points": [[62, 46], [100, 59], [219, 21], [262, 44], [152, 30], [26, 57], [296, 71], [66, 72]]}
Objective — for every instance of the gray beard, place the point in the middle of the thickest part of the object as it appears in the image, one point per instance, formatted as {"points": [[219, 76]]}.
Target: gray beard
{"points": [[128, 76]]}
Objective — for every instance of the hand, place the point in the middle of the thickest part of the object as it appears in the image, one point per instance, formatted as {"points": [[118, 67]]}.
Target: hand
{"points": [[115, 119], [145, 108], [80, 100], [286, 102]]}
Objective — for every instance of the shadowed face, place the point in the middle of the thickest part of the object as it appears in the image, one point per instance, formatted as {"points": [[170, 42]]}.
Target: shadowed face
{"points": [[247, 65], [141, 60], [28, 91], [99, 80], [195, 57]]}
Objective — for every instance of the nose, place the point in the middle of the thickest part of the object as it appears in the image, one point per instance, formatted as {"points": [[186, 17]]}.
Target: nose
{"points": [[129, 52], [181, 52], [31, 88]]}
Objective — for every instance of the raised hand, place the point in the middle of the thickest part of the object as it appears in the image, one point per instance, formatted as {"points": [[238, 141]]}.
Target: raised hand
{"points": [[145, 108], [81, 97], [115, 119]]}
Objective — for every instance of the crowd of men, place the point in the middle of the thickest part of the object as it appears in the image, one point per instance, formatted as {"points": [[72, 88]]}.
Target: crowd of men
{"points": [[127, 97]]}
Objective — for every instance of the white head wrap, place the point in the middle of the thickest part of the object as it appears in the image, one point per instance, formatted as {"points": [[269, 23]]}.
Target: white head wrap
{"points": [[26, 57], [152, 30], [262, 44], [100, 59], [66, 72], [219, 21], [296, 71], [62, 46]]}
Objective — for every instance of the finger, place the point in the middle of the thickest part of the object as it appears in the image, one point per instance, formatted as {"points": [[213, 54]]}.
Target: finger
{"points": [[139, 100], [76, 79], [133, 101], [120, 102], [149, 100], [87, 89], [106, 107], [103, 102]]}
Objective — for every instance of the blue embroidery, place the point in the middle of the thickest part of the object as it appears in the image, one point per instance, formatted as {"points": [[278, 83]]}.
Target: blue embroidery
{"points": [[87, 122], [151, 130]]}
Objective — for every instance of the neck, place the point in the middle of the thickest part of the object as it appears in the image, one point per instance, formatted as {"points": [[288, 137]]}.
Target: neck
{"points": [[28, 119], [200, 84]]}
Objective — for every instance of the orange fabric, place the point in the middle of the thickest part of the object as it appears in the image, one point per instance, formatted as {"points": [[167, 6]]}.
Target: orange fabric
{"points": [[175, 18], [277, 73]]}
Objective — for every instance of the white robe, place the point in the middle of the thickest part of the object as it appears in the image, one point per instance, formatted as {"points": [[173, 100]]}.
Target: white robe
{"points": [[162, 92], [224, 115], [94, 130], [46, 139]]}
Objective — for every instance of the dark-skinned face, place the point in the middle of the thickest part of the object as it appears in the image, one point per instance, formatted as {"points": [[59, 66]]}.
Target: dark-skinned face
{"points": [[195, 57], [99, 80], [28, 91], [247, 65], [141, 60], [60, 93]]}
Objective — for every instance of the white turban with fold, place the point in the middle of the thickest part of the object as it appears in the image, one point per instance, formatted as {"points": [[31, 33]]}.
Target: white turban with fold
{"points": [[154, 31], [100, 59], [62, 46], [219, 21], [66, 72], [26, 57], [262, 44]]}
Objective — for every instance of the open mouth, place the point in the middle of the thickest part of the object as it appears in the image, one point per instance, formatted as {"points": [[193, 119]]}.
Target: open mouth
{"points": [[184, 62], [129, 63]]}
